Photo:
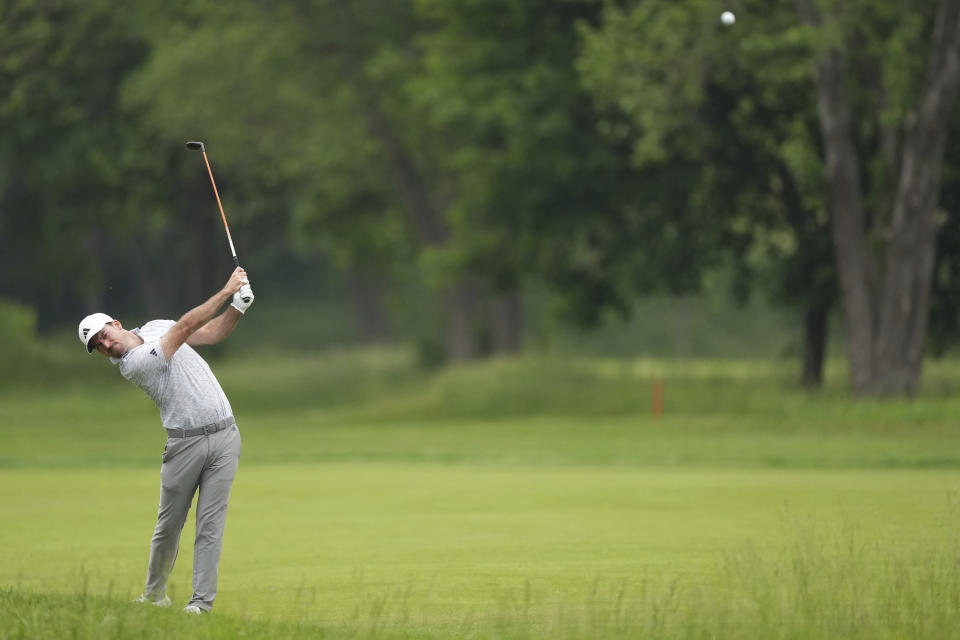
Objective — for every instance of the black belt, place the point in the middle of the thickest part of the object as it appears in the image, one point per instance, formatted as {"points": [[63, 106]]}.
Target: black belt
{"points": [[206, 429]]}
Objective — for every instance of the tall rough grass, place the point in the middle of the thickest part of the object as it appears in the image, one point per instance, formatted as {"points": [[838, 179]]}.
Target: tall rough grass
{"points": [[822, 583]]}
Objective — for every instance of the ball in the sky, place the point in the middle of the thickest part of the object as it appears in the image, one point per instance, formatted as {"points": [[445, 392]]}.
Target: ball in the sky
{"points": [[728, 18]]}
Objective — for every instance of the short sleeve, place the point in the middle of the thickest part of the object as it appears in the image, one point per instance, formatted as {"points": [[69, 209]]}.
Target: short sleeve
{"points": [[158, 327], [144, 362]]}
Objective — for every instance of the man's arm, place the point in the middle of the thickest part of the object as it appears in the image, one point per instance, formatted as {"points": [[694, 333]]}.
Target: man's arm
{"points": [[197, 317], [217, 329]]}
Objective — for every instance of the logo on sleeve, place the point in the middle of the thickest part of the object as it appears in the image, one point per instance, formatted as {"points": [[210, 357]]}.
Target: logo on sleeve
{"points": [[153, 352]]}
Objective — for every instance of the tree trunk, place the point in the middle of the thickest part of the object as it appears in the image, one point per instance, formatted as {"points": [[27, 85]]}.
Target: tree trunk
{"points": [[845, 200], [507, 323], [461, 306], [905, 306], [93, 298], [366, 291], [93, 301], [155, 291], [460, 302], [814, 345]]}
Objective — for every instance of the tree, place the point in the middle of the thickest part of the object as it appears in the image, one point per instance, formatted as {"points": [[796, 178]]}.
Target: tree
{"points": [[62, 186], [944, 319], [881, 144], [885, 219], [531, 174], [431, 119], [729, 109], [297, 164]]}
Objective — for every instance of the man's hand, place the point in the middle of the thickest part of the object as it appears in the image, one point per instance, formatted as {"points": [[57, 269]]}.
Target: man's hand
{"points": [[237, 279], [242, 299]]}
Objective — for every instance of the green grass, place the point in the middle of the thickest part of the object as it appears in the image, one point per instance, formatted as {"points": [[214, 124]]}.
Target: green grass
{"points": [[376, 406], [531, 498], [449, 548]]}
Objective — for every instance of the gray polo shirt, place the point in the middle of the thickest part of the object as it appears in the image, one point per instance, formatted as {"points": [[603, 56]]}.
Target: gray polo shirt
{"points": [[183, 388]]}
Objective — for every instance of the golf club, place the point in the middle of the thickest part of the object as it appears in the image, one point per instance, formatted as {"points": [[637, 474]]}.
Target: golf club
{"points": [[194, 145]]}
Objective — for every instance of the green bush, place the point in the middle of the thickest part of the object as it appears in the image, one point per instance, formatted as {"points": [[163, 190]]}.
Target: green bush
{"points": [[28, 359], [18, 328], [17, 321]]}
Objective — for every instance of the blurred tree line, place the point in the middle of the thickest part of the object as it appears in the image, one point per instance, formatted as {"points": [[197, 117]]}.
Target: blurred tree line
{"points": [[597, 149]]}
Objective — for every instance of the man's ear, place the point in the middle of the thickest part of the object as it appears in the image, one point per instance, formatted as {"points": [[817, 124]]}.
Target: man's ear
{"points": [[117, 324]]}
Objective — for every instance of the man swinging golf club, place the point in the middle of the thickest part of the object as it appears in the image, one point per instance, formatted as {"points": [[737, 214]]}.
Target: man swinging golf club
{"points": [[203, 443]]}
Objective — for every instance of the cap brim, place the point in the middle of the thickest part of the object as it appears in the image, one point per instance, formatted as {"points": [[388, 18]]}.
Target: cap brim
{"points": [[92, 342]]}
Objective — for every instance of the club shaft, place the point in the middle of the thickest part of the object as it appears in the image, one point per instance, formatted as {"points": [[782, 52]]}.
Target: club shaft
{"points": [[233, 251]]}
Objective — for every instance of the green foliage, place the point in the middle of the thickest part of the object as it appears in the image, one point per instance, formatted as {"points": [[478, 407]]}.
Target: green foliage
{"points": [[544, 193], [655, 80], [59, 170], [28, 359], [678, 84], [599, 148], [282, 124], [18, 323]]}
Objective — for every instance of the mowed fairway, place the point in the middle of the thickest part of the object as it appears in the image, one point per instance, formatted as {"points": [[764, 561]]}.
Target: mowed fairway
{"points": [[356, 518]]}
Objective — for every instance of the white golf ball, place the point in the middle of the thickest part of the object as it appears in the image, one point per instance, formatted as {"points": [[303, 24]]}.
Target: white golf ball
{"points": [[728, 18]]}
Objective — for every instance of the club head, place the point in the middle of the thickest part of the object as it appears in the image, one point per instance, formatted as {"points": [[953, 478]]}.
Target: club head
{"points": [[195, 146]]}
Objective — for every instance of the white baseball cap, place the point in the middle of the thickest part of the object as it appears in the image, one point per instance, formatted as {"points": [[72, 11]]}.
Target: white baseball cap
{"points": [[90, 326]]}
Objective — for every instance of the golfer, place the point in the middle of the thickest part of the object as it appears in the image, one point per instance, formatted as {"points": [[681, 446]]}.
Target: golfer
{"points": [[203, 444]]}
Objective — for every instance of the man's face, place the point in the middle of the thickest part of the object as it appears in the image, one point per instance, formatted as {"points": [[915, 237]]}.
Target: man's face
{"points": [[110, 341]]}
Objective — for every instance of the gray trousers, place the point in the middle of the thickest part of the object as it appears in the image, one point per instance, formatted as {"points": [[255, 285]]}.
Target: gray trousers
{"points": [[207, 463]]}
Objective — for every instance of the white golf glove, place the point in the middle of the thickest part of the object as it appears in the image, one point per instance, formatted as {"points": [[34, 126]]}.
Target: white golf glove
{"points": [[242, 299]]}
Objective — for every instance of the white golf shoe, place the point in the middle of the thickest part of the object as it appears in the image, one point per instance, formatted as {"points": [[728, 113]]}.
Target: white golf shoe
{"points": [[192, 608], [162, 602]]}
